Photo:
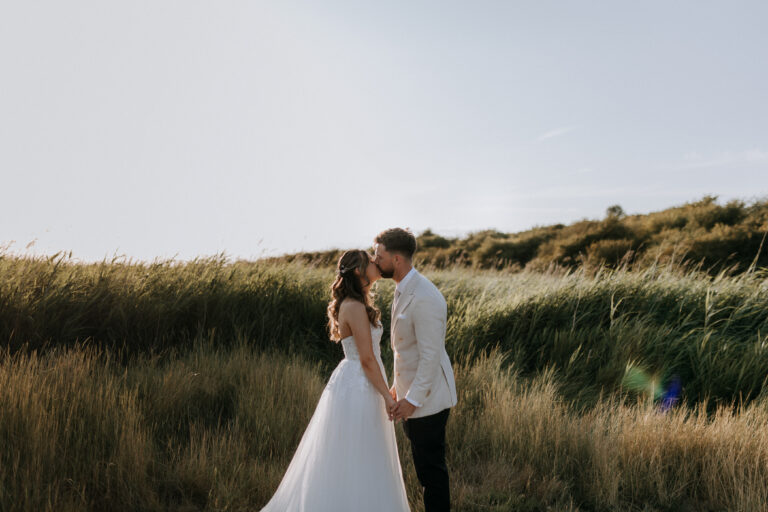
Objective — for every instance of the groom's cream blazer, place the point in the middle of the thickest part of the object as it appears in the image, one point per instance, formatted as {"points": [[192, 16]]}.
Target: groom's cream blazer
{"points": [[423, 373]]}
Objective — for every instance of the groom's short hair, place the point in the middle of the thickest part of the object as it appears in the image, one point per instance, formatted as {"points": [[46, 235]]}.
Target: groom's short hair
{"points": [[397, 240]]}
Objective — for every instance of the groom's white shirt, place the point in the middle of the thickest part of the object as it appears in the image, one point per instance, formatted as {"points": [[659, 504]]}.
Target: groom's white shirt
{"points": [[423, 373], [407, 277]]}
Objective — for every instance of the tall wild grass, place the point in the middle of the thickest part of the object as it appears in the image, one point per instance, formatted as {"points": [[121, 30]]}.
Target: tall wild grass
{"points": [[187, 386], [215, 427], [589, 328]]}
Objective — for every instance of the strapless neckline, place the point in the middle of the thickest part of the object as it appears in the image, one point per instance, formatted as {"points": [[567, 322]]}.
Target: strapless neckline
{"points": [[352, 335]]}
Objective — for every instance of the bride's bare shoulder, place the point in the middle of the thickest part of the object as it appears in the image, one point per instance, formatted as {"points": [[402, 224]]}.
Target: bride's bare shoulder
{"points": [[352, 309], [351, 305]]}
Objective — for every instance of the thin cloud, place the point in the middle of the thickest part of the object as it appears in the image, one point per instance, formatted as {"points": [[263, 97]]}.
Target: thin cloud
{"points": [[697, 161], [522, 197], [555, 133]]}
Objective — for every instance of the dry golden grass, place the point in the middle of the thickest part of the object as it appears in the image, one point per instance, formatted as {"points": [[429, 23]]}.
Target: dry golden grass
{"points": [[214, 429]]}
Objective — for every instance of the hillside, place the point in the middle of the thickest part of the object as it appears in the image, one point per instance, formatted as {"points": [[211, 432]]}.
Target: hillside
{"points": [[188, 385], [703, 233]]}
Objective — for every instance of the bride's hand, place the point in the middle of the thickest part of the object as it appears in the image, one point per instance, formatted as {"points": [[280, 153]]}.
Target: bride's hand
{"points": [[391, 404]]}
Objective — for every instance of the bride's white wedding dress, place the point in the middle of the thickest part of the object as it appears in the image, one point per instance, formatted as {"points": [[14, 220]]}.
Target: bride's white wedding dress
{"points": [[347, 459]]}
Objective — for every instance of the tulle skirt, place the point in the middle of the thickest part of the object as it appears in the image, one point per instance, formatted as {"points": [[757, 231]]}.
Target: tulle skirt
{"points": [[347, 458]]}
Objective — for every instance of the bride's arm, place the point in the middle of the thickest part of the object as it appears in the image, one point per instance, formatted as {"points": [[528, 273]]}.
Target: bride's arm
{"points": [[361, 329]]}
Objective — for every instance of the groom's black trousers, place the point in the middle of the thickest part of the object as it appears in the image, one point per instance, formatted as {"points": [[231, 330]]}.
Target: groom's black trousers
{"points": [[427, 436]]}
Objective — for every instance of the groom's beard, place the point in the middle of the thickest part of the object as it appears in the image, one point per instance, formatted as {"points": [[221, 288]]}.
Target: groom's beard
{"points": [[386, 274]]}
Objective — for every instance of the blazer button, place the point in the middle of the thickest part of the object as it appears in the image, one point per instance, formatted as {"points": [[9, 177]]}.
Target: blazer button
{"points": [[398, 374]]}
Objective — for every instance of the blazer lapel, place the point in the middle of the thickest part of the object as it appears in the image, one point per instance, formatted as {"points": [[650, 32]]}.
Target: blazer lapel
{"points": [[406, 296]]}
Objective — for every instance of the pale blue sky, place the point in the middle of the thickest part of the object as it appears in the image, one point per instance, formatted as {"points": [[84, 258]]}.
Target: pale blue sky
{"points": [[186, 128]]}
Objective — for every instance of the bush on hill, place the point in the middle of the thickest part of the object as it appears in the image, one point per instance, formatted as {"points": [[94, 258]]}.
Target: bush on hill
{"points": [[705, 233]]}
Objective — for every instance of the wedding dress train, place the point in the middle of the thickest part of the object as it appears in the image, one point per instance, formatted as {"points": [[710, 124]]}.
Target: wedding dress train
{"points": [[347, 458]]}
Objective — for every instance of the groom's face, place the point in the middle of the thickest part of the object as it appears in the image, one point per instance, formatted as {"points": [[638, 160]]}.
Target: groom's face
{"points": [[383, 260]]}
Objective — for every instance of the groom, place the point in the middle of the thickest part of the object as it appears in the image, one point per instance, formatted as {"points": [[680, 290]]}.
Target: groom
{"points": [[424, 386]]}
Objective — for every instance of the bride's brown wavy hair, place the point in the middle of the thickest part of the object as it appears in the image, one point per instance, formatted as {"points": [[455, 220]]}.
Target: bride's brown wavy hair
{"points": [[347, 284]]}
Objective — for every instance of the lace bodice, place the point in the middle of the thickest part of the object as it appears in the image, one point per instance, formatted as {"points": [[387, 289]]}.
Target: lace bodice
{"points": [[350, 349], [349, 376]]}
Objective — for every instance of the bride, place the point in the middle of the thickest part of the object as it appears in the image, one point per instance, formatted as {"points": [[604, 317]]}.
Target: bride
{"points": [[347, 459]]}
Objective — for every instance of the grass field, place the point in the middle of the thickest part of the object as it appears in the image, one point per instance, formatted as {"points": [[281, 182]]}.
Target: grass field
{"points": [[165, 386]]}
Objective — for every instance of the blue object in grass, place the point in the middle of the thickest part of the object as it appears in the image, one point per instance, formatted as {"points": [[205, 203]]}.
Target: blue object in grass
{"points": [[671, 394]]}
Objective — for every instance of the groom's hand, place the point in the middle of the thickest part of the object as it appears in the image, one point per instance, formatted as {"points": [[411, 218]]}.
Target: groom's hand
{"points": [[404, 409]]}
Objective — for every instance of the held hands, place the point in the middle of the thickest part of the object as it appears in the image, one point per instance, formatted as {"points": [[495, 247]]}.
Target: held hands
{"points": [[401, 410], [391, 401], [391, 406]]}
